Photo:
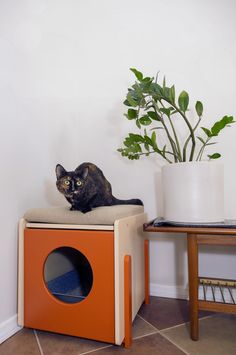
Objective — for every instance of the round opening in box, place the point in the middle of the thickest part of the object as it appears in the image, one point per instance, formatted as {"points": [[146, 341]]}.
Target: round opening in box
{"points": [[68, 275]]}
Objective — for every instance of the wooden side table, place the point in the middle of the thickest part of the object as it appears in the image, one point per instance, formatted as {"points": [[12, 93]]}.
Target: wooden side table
{"points": [[203, 236]]}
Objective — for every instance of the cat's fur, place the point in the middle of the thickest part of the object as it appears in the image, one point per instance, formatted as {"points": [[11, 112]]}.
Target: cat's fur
{"points": [[86, 187]]}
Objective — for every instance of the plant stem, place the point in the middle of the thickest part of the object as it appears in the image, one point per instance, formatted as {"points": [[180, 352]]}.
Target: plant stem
{"points": [[190, 129], [199, 156], [158, 152], [172, 143], [175, 135], [189, 137], [176, 140]]}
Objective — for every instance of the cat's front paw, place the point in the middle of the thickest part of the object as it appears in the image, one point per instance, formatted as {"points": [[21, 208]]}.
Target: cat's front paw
{"points": [[86, 209]]}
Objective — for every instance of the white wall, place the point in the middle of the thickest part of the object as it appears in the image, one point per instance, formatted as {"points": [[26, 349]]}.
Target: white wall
{"points": [[64, 72]]}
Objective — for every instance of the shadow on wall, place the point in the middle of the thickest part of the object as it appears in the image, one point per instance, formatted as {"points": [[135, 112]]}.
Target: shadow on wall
{"points": [[174, 261]]}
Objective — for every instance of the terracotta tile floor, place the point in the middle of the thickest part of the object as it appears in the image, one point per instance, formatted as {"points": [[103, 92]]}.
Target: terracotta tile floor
{"points": [[159, 328]]}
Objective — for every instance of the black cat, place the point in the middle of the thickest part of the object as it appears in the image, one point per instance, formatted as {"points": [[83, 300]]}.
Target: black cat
{"points": [[87, 187]]}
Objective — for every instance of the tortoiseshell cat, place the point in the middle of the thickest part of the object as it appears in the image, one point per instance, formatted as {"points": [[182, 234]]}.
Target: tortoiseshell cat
{"points": [[86, 187]]}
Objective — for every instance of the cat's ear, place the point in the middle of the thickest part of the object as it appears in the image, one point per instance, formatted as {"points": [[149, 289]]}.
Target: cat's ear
{"points": [[60, 171], [85, 173], [82, 171]]}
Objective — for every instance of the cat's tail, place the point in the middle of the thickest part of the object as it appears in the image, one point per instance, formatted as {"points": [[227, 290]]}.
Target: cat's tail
{"points": [[132, 201]]}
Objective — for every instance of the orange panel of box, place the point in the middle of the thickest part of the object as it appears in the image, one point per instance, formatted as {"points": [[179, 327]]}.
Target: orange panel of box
{"points": [[92, 317]]}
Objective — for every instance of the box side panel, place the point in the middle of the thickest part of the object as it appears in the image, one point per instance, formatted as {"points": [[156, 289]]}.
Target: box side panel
{"points": [[20, 300], [129, 240]]}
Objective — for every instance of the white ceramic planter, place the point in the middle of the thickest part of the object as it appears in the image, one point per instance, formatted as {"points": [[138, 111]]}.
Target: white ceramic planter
{"points": [[193, 192]]}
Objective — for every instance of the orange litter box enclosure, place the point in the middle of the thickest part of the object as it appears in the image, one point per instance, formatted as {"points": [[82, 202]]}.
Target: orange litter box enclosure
{"points": [[75, 271]]}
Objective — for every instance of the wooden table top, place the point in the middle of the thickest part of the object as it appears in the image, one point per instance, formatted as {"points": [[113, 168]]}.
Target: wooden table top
{"points": [[149, 227]]}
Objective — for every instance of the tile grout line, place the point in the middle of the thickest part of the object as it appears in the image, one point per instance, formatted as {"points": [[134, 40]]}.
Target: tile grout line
{"points": [[92, 351], [147, 322], [179, 325], [108, 346], [174, 326], [145, 335], [38, 342], [156, 331], [177, 346], [164, 336], [202, 318]]}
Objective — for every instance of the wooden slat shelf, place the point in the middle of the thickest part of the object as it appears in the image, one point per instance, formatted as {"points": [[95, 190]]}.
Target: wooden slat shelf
{"points": [[219, 295]]}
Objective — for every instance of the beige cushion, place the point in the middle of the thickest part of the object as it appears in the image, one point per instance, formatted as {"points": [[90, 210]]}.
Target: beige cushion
{"points": [[106, 215]]}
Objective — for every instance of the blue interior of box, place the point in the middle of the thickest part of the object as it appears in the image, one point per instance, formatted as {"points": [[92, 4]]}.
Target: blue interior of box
{"points": [[67, 287]]}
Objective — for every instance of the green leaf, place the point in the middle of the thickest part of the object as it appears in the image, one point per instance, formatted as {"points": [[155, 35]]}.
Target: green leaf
{"points": [[199, 108], [164, 82], [214, 156], [156, 89], [126, 103], [131, 114], [183, 101], [146, 146], [131, 100], [167, 93], [201, 140], [145, 120], [166, 111], [154, 128], [164, 150], [133, 156], [127, 142], [148, 140], [172, 94], [138, 124], [145, 85], [219, 125], [137, 138], [137, 148], [153, 115], [207, 131], [154, 138], [147, 80], [137, 92], [212, 143], [132, 144], [137, 73]]}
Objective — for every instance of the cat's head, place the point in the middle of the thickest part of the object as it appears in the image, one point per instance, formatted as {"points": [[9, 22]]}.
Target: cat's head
{"points": [[70, 183]]}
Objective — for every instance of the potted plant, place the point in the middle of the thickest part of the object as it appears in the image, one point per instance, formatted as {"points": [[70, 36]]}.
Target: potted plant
{"points": [[164, 127]]}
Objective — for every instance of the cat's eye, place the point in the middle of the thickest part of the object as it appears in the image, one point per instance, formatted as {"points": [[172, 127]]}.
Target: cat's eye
{"points": [[67, 182], [79, 183]]}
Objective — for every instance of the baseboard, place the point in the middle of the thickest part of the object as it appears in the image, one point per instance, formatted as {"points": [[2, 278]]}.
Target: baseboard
{"points": [[9, 328], [180, 292]]}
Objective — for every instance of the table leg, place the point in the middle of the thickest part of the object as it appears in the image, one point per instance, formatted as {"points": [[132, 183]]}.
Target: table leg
{"points": [[146, 270], [193, 284]]}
